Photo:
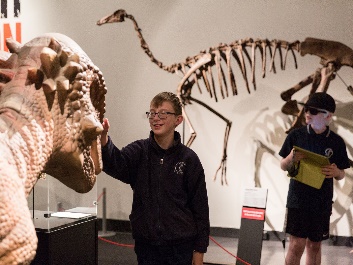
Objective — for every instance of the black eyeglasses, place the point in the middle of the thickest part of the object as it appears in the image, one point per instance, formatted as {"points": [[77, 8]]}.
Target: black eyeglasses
{"points": [[162, 115], [313, 111]]}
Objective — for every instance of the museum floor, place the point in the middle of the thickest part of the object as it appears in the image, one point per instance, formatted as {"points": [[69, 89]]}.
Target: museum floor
{"points": [[118, 250]]}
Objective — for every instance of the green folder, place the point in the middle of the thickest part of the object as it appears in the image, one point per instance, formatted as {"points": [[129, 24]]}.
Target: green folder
{"points": [[310, 168]]}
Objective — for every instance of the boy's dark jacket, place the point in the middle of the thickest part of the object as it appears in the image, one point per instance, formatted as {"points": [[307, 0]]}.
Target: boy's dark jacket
{"points": [[170, 204]]}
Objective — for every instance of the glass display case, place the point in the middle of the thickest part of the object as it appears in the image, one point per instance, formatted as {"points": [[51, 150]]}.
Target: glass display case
{"points": [[52, 203], [65, 223]]}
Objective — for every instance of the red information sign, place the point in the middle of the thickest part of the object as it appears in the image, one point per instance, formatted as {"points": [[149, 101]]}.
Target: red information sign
{"points": [[253, 213]]}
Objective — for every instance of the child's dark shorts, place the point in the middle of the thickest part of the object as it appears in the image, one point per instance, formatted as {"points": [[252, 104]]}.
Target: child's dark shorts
{"points": [[305, 223]]}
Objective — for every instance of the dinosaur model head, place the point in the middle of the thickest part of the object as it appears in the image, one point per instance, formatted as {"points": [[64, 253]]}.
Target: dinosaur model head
{"points": [[54, 71], [51, 109]]}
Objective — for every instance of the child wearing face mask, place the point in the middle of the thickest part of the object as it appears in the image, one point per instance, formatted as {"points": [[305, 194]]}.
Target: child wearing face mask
{"points": [[308, 208]]}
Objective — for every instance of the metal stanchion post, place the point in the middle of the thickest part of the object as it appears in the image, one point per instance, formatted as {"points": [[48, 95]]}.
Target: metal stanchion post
{"points": [[104, 232]]}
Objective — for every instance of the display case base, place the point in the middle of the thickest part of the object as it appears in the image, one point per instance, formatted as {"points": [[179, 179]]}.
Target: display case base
{"points": [[66, 241]]}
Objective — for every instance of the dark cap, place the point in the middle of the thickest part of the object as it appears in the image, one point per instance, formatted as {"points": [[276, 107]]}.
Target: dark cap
{"points": [[321, 100]]}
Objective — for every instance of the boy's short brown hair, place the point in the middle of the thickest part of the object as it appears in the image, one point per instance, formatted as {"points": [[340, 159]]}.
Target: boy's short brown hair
{"points": [[168, 96]]}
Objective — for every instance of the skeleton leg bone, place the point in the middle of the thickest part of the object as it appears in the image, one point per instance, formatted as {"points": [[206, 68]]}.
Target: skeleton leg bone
{"points": [[192, 131], [287, 95], [223, 165]]}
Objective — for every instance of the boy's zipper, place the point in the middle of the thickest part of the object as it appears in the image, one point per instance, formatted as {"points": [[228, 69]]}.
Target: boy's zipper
{"points": [[158, 198]]}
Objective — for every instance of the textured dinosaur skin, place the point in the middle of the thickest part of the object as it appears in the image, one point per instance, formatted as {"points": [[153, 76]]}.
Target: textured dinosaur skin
{"points": [[215, 68], [52, 100]]}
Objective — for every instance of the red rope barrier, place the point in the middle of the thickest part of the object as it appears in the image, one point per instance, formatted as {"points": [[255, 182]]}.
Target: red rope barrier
{"points": [[115, 243], [99, 197], [131, 246], [214, 241]]}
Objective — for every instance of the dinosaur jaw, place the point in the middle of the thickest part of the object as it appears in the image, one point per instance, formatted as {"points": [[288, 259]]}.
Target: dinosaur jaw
{"points": [[76, 169]]}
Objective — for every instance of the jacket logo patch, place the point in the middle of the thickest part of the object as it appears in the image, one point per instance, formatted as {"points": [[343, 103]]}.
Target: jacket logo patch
{"points": [[328, 152], [179, 168]]}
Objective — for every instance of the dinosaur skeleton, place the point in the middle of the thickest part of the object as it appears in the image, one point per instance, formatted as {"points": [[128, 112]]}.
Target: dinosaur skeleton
{"points": [[225, 57], [52, 100]]}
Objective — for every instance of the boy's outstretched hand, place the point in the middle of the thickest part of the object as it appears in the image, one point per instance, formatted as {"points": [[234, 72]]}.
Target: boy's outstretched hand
{"points": [[104, 134]]}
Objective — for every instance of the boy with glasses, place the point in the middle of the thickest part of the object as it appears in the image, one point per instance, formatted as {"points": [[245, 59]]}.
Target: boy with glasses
{"points": [[308, 208], [170, 214]]}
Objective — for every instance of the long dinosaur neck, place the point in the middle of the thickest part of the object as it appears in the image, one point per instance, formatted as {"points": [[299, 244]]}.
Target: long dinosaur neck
{"points": [[145, 47], [25, 132]]}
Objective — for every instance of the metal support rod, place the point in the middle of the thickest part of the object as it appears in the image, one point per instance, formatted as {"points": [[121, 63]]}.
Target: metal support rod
{"points": [[104, 232], [104, 221]]}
